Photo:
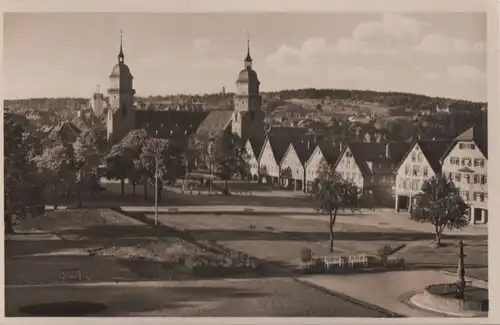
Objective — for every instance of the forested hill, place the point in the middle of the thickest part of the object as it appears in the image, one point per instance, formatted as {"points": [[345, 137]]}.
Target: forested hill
{"points": [[390, 99], [66, 107]]}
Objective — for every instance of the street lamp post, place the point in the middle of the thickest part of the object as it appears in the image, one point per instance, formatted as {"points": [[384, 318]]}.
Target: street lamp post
{"points": [[156, 185]]}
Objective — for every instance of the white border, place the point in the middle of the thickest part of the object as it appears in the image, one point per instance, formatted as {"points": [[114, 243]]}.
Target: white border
{"points": [[492, 8]]}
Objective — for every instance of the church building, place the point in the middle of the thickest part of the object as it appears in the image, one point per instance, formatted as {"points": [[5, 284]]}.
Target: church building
{"points": [[246, 117]]}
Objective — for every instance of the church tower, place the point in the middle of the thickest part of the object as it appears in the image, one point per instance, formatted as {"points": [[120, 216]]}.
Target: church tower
{"points": [[121, 115], [248, 118]]}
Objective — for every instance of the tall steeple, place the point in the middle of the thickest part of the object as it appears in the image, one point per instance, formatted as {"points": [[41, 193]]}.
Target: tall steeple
{"points": [[248, 59], [121, 56]]}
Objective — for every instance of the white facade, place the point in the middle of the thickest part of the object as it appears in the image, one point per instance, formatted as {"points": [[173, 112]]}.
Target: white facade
{"points": [[348, 169], [410, 176], [252, 159], [467, 166], [292, 162], [312, 165], [267, 162]]}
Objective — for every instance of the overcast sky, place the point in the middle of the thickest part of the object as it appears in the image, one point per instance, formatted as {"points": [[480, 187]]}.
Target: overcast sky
{"points": [[437, 54]]}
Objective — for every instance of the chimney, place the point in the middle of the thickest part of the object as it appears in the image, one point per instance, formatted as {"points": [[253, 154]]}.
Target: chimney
{"points": [[387, 150]]}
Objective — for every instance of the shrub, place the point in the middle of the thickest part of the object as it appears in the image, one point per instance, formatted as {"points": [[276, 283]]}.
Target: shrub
{"points": [[384, 251], [306, 254]]}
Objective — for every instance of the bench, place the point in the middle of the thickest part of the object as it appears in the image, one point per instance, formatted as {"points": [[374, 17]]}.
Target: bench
{"points": [[330, 261], [355, 260]]}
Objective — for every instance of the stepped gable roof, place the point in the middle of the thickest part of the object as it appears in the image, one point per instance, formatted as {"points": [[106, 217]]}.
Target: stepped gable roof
{"points": [[169, 124]]}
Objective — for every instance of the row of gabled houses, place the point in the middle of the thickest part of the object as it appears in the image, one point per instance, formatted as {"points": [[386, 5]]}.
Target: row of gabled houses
{"points": [[388, 174]]}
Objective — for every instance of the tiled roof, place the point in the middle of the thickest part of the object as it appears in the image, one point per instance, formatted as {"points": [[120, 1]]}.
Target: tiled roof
{"points": [[376, 154], [68, 131], [433, 151], [304, 147], [256, 145], [478, 134], [169, 124], [284, 131], [330, 152], [279, 145], [214, 123]]}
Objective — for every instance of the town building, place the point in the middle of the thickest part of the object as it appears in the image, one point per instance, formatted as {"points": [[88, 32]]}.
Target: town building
{"points": [[324, 153], [253, 147], [370, 166], [292, 164], [421, 162], [273, 150], [466, 164]]}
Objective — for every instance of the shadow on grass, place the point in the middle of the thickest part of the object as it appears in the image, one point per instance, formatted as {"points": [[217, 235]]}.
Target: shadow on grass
{"points": [[126, 300], [236, 235]]}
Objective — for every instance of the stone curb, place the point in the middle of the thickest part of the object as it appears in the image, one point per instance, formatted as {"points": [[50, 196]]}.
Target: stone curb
{"points": [[430, 308], [350, 299], [468, 278]]}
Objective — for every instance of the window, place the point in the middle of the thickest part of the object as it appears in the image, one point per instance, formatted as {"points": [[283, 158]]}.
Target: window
{"points": [[485, 197], [483, 180], [419, 157], [466, 195], [480, 162], [416, 170], [467, 178], [460, 146], [481, 197], [413, 157], [474, 196], [463, 161], [458, 177], [477, 178], [426, 171], [472, 146], [348, 154], [407, 170], [475, 162]]}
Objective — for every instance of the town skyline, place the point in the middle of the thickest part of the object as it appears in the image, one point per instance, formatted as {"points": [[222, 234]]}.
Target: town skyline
{"points": [[433, 54]]}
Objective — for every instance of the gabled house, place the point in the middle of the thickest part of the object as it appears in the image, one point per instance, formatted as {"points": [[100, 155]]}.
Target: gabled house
{"points": [[370, 166], [325, 152], [292, 165], [272, 153], [420, 163], [253, 147], [466, 163]]}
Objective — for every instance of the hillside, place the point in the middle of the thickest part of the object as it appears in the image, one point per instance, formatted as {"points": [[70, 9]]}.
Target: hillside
{"points": [[322, 102]]}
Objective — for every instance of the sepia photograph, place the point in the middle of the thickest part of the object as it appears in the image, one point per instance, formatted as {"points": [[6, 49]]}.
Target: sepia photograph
{"points": [[237, 164]]}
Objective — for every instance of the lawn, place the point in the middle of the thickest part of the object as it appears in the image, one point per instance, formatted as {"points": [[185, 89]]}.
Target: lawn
{"points": [[112, 197], [280, 239], [104, 246]]}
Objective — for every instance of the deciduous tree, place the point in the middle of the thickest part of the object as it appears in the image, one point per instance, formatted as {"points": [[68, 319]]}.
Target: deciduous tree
{"points": [[332, 193], [227, 156], [22, 186], [440, 204]]}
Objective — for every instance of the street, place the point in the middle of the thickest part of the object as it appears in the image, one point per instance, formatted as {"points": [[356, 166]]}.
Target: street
{"points": [[209, 298]]}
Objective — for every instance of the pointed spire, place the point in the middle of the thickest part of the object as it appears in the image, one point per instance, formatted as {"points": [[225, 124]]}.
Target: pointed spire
{"points": [[121, 56], [248, 59]]}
